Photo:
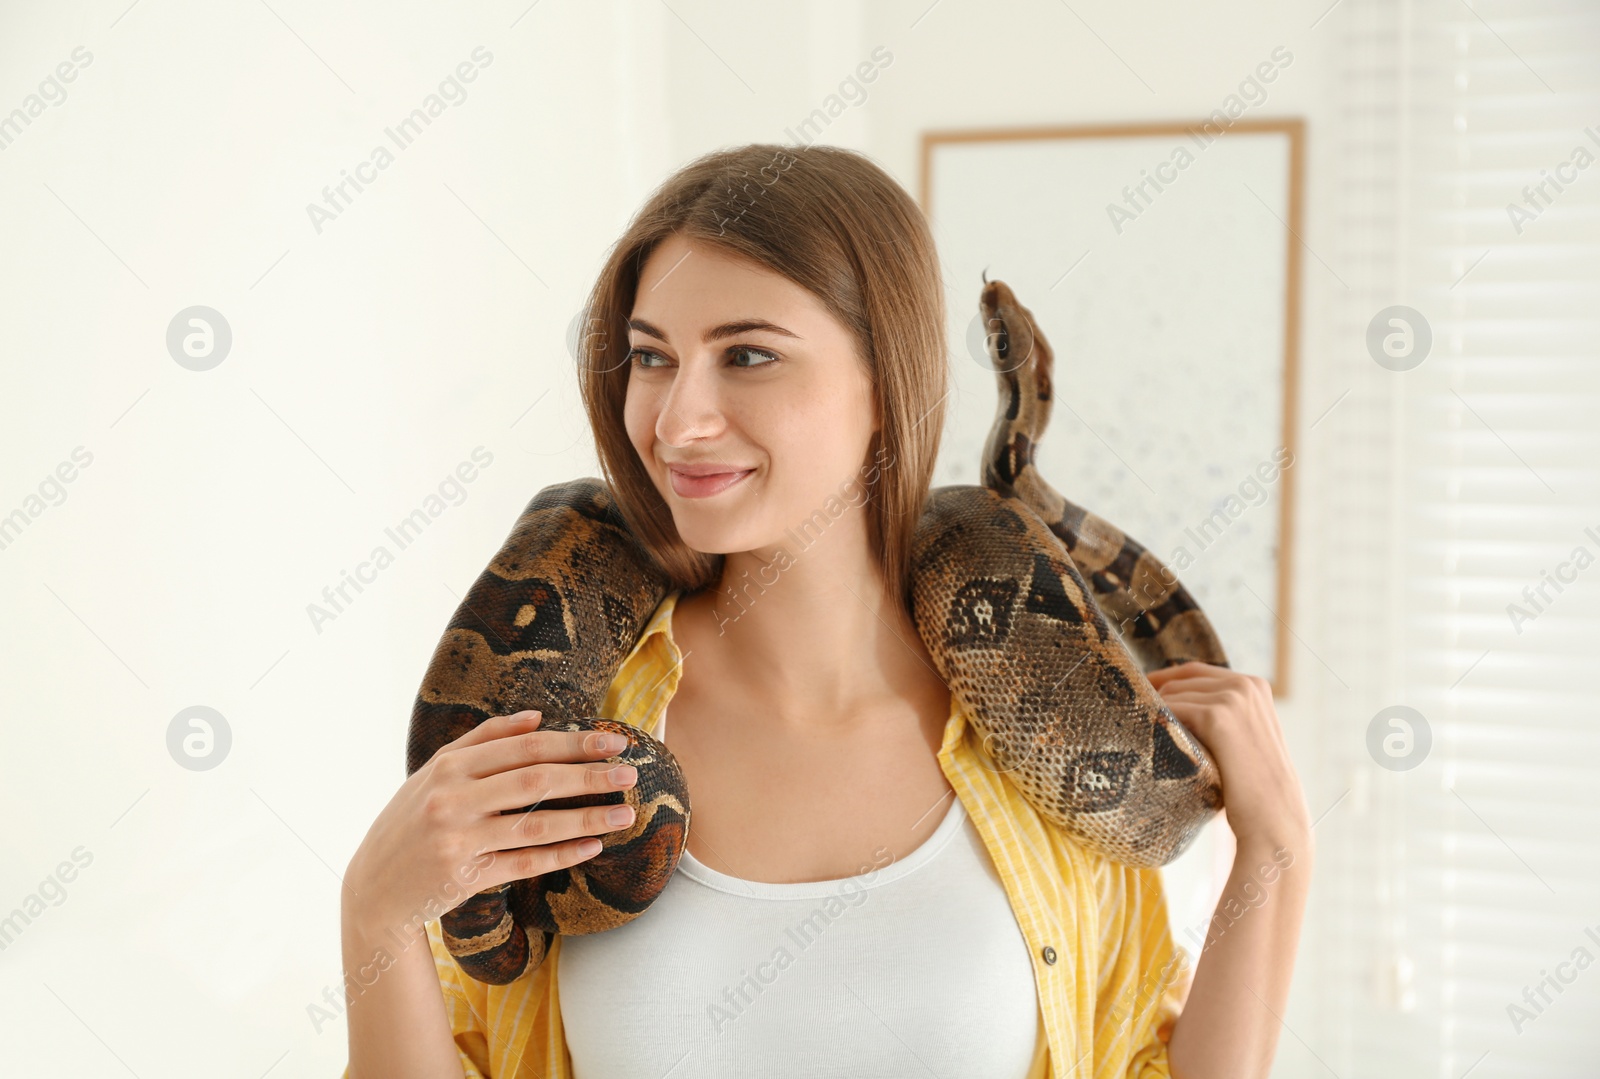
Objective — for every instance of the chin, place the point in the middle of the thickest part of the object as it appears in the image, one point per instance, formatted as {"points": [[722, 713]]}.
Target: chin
{"points": [[713, 540]]}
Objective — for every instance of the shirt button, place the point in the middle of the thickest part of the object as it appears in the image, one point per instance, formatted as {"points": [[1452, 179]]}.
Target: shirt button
{"points": [[1049, 954]]}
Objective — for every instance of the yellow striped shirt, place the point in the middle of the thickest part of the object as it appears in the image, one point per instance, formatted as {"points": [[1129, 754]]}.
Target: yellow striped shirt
{"points": [[1110, 983]]}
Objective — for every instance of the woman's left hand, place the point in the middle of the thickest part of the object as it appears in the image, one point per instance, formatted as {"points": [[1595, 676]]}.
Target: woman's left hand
{"points": [[1233, 716]]}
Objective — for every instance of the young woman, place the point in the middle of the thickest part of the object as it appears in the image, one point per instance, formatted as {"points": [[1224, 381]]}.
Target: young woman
{"points": [[862, 894]]}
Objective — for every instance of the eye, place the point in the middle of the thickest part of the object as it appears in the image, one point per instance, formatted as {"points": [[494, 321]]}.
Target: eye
{"points": [[746, 350], [639, 357]]}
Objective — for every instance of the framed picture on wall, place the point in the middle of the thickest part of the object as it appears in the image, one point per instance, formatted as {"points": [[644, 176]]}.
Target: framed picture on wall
{"points": [[1162, 262]]}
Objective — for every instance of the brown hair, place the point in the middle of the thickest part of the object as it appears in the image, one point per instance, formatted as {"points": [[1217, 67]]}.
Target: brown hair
{"points": [[836, 224]]}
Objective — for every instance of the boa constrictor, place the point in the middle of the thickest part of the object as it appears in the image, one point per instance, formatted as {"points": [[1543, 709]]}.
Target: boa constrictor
{"points": [[1012, 587]]}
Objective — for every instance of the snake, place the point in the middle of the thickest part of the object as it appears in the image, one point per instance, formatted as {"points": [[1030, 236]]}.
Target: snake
{"points": [[1041, 617]]}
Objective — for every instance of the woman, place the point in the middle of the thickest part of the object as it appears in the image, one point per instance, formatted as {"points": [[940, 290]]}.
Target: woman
{"points": [[861, 894]]}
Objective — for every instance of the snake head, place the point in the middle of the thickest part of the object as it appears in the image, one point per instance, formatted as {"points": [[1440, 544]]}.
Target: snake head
{"points": [[1011, 336]]}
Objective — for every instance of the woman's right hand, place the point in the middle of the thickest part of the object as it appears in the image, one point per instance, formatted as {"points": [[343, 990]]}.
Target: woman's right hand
{"points": [[443, 837]]}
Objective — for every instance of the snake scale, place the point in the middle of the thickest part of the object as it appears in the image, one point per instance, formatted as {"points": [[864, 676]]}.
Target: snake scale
{"points": [[1014, 591]]}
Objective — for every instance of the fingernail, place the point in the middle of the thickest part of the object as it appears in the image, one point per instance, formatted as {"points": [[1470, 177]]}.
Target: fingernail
{"points": [[619, 815], [623, 773], [610, 743]]}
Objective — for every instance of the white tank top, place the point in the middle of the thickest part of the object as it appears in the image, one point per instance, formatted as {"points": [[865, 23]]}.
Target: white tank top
{"points": [[913, 965]]}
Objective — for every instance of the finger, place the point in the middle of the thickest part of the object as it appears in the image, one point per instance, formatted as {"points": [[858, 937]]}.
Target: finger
{"points": [[544, 782], [1206, 705], [497, 727], [542, 747], [1188, 669], [1230, 693], [1210, 674], [1203, 680], [1186, 704], [1206, 694], [526, 862], [1180, 673], [549, 827]]}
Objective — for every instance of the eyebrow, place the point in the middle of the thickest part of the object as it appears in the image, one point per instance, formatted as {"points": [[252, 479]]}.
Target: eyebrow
{"points": [[717, 333]]}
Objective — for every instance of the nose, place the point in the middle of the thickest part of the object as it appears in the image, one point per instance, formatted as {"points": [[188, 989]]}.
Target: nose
{"points": [[691, 407]]}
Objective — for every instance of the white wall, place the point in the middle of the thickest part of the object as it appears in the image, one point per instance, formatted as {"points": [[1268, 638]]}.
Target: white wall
{"points": [[368, 360]]}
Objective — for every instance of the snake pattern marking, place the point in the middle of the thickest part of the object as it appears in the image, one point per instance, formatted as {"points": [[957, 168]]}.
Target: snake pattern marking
{"points": [[1011, 589]]}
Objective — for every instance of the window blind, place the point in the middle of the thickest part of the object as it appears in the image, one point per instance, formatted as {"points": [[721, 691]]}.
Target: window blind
{"points": [[1458, 898]]}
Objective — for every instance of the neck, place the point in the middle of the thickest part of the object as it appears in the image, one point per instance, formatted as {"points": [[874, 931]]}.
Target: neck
{"points": [[814, 634]]}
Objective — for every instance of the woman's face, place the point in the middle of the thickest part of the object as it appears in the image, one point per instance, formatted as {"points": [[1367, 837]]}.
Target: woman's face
{"points": [[738, 372]]}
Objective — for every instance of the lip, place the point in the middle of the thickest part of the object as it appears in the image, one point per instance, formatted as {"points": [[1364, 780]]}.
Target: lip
{"points": [[687, 485]]}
